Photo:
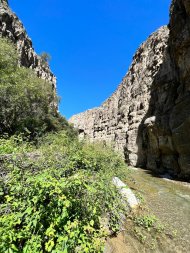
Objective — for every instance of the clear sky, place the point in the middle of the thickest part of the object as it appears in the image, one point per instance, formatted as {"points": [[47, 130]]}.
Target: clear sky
{"points": [[91, 42]]}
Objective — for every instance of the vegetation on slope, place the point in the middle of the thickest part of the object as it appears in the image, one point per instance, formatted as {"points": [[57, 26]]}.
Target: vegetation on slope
{"points": [[55, 192], [28, 103], [58, 197]]}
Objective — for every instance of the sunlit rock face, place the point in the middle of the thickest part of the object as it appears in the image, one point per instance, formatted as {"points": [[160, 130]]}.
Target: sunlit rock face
{"points": [[118, 119], [12, 28], [148, 117]]}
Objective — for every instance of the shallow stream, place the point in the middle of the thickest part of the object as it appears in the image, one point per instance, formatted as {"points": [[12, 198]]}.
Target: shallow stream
{"points": [[170, 201]]}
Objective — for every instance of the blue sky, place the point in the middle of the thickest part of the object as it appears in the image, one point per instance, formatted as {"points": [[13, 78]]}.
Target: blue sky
{"points": [[91, 42]]}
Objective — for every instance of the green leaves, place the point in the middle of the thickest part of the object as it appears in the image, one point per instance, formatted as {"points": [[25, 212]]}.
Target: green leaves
{"points": [[8, 58], [146, 221], [56, 203]]}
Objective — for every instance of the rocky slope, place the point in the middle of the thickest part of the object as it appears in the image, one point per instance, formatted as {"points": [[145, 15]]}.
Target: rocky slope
{"points": [[12, 28], [148, 117]]}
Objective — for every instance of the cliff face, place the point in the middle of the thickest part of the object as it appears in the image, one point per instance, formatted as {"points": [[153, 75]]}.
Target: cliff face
{"points": [[12, 28], [148, 117], [180, 53], [118, 119]]}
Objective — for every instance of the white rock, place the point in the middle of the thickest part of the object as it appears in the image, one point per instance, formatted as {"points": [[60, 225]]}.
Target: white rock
{"points": [[125, 192]]}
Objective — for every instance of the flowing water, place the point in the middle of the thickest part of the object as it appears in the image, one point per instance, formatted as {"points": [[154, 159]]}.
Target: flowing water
{"points": [[170, 201]]}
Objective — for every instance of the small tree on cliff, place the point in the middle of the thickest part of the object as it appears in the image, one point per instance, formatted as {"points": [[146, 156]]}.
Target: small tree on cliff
{"points": [[45, 58]]}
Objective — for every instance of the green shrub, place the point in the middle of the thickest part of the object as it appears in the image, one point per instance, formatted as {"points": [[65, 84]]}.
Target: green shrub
{"points": [[57, 203], [146, 221], [13, 145], [8, 58]]}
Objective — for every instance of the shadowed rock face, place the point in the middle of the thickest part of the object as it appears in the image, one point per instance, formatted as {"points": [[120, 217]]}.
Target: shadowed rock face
{"points": [[148, 117], [179, 120], [12, 28]]}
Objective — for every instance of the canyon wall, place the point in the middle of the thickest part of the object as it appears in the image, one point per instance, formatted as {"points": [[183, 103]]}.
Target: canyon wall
{"points": [[147, 119], [11, 27]]}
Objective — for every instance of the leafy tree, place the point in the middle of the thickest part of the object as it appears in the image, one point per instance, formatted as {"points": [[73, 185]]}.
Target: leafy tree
{"points": [[27, 103]]}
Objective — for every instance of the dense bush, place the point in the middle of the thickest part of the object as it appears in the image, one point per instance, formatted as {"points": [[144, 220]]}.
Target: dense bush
{"points": [[63, 201], [13, 145], [27, 103]]}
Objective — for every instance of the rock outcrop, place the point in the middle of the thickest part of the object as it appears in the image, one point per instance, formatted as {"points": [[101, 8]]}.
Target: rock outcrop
{"points": [[148, 117], [12, 28]]}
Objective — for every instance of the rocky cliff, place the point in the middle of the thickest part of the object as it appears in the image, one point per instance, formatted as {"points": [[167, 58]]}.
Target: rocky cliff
{"points": [[148, 117], [12, 28]]}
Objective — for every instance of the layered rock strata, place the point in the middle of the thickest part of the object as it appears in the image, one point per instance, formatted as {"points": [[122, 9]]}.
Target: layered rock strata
{"points": [[11, 27], [148, 117]]}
